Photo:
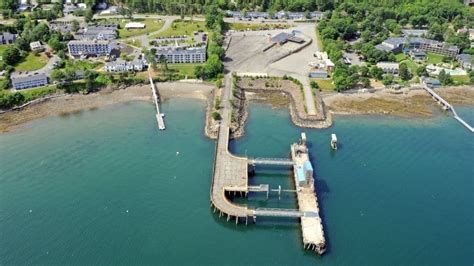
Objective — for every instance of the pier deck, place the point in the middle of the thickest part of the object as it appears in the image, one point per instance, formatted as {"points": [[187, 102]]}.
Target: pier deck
{"points": [[311, 225], [159, 115]]}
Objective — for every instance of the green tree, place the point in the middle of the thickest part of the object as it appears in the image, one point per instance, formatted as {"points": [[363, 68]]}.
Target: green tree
{"points": [[88, 15], [11, 55], [404, 73], [376, 73], [421, 71], [313, 84], [387, 79]]}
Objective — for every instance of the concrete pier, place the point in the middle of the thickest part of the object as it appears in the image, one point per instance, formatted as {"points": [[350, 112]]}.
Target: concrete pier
{"points": [[230, 177], [159, 115]]}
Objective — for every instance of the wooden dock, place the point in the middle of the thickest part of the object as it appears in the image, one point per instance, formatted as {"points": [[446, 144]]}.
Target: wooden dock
{"points": [[447, 106], [230, 178], [159, 115]]}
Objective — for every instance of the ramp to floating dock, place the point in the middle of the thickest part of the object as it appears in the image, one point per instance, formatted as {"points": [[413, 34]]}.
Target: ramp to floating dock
{"points": [[448, 106]]}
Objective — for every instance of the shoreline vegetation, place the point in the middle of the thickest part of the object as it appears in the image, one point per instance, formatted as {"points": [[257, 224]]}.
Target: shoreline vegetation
{"points": [[404, 104]]}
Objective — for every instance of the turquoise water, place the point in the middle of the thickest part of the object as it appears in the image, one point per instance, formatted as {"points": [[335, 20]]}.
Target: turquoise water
{"points": [[105, 187]]}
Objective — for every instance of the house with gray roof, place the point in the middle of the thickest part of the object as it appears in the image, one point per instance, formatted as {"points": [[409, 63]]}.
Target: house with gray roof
{"points": [[7, 38], [121, 65], [25, 80], [89, 48], [388, 67], [396, 45], [466, 61], [97, 32]]}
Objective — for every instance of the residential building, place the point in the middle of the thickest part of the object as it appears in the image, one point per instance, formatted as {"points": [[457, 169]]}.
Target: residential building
{"points": [[69, 9], [388, 67], [417, 55], [97, 32], [61, 26], [135, 25], [121, 65], [414, 33], [36, 46], [432, 46], [466, 61], [396, 45], [7, 38], [175, 55], [89, 48], [27, 80], [100, 6]]}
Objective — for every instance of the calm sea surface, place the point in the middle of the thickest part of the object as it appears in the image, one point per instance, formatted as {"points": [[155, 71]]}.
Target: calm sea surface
{"points": [[105, 187]]}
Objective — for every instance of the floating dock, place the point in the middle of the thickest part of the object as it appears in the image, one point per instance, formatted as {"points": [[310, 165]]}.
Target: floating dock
{"points": [[230, 178], [159, 115]]}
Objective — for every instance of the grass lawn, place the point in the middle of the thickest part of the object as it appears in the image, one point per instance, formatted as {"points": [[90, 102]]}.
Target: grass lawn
{"points": [[412, 66], [184, 69], [400, 57], [36, 93], [179, 27], [32, 62], [325, 84], [434, 58], [151, 26], [255, 26], [461, 79], [135, 43], [2, 49]]}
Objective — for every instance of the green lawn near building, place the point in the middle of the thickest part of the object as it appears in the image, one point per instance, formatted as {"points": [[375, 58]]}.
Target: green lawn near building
{"points": [[182, 27], [461, 79], [401, 56], [32, 62], [36, 93], [412, 66], [184, 69], [151, 25], [325, 84], [2, 49], [434, 58]]}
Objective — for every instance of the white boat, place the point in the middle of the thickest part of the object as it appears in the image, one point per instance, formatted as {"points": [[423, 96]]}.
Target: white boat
{"points": [[333, 141]]}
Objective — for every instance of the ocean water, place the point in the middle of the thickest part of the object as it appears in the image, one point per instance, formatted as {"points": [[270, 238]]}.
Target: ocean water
{"points": [[105, 187]]}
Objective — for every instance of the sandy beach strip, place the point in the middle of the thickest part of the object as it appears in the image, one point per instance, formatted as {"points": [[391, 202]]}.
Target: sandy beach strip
{"points": [[77, 102]]}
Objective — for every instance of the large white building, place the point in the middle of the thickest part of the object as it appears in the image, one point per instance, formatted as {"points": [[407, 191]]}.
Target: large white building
{"points": [[89, 48], [176, 55]]}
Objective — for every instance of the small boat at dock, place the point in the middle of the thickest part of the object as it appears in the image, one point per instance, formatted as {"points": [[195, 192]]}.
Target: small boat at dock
{"points": [[333, 141]]}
